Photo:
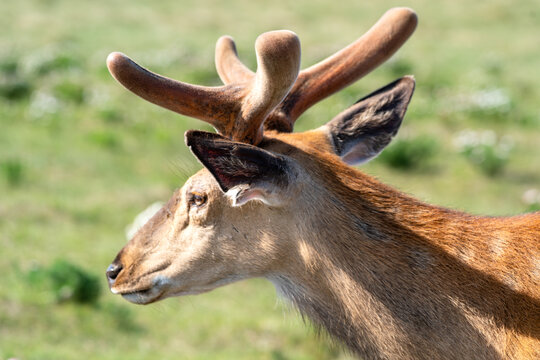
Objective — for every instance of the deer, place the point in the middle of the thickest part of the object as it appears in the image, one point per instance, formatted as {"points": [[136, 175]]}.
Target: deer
{"points": [[386, 275]]}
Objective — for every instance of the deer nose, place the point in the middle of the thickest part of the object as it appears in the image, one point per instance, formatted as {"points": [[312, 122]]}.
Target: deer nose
{"points": [[112, 272]]}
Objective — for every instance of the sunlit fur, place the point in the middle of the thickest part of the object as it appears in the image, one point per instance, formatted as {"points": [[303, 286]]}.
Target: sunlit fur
{"points": [[389, 276]]}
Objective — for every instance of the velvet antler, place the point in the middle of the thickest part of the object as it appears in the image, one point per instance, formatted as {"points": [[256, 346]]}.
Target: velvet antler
{"points": [[330, 75], [236, 110], [277, 94]]}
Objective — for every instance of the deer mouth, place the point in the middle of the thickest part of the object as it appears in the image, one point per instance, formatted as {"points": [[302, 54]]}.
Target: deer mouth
{"points": [[143, 297]]}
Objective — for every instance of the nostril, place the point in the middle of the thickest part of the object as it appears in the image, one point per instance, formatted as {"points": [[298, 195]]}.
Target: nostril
{"points": [[113, 270]]}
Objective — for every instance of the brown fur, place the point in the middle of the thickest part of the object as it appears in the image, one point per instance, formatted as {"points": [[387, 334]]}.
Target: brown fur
{"points": [[400, 277]]}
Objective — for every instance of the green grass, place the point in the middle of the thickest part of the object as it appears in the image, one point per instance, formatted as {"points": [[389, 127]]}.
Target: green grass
{"points": [[80, 156]]}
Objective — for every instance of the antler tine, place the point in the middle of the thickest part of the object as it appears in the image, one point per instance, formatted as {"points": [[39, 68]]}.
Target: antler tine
{"points": [[236, 110], [345, 67], [210, 104], [278, 64], [230, 69]]}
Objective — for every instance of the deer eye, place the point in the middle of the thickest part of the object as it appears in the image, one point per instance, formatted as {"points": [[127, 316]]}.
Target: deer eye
{"points": [[197, 199]]}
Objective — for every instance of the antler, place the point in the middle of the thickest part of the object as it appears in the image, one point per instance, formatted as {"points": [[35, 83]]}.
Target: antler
{"points": [[236, 110], [330, 75], [276, 95]]}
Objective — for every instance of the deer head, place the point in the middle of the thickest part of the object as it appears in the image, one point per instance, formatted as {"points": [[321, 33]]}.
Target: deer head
{"points": [[262, 186]]}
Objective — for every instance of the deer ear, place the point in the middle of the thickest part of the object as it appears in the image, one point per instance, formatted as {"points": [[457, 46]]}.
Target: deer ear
{"points": [[362, 131], [245, 172]]}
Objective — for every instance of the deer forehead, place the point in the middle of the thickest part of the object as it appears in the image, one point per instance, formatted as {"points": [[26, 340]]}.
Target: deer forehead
{"points": [[201, 180]]}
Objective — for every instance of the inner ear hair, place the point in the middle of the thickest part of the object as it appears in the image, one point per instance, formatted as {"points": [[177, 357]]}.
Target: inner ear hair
{"points": [[233, 163]]}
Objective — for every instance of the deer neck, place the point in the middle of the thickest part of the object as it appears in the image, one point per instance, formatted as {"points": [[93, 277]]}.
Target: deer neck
{"points": [[378, 269]]}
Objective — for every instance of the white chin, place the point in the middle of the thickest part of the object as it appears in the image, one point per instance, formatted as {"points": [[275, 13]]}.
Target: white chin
{"points": [[142, 297]]}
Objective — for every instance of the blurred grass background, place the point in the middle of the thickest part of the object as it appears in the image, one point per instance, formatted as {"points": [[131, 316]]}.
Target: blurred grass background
{"points": [[80, 156]]}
